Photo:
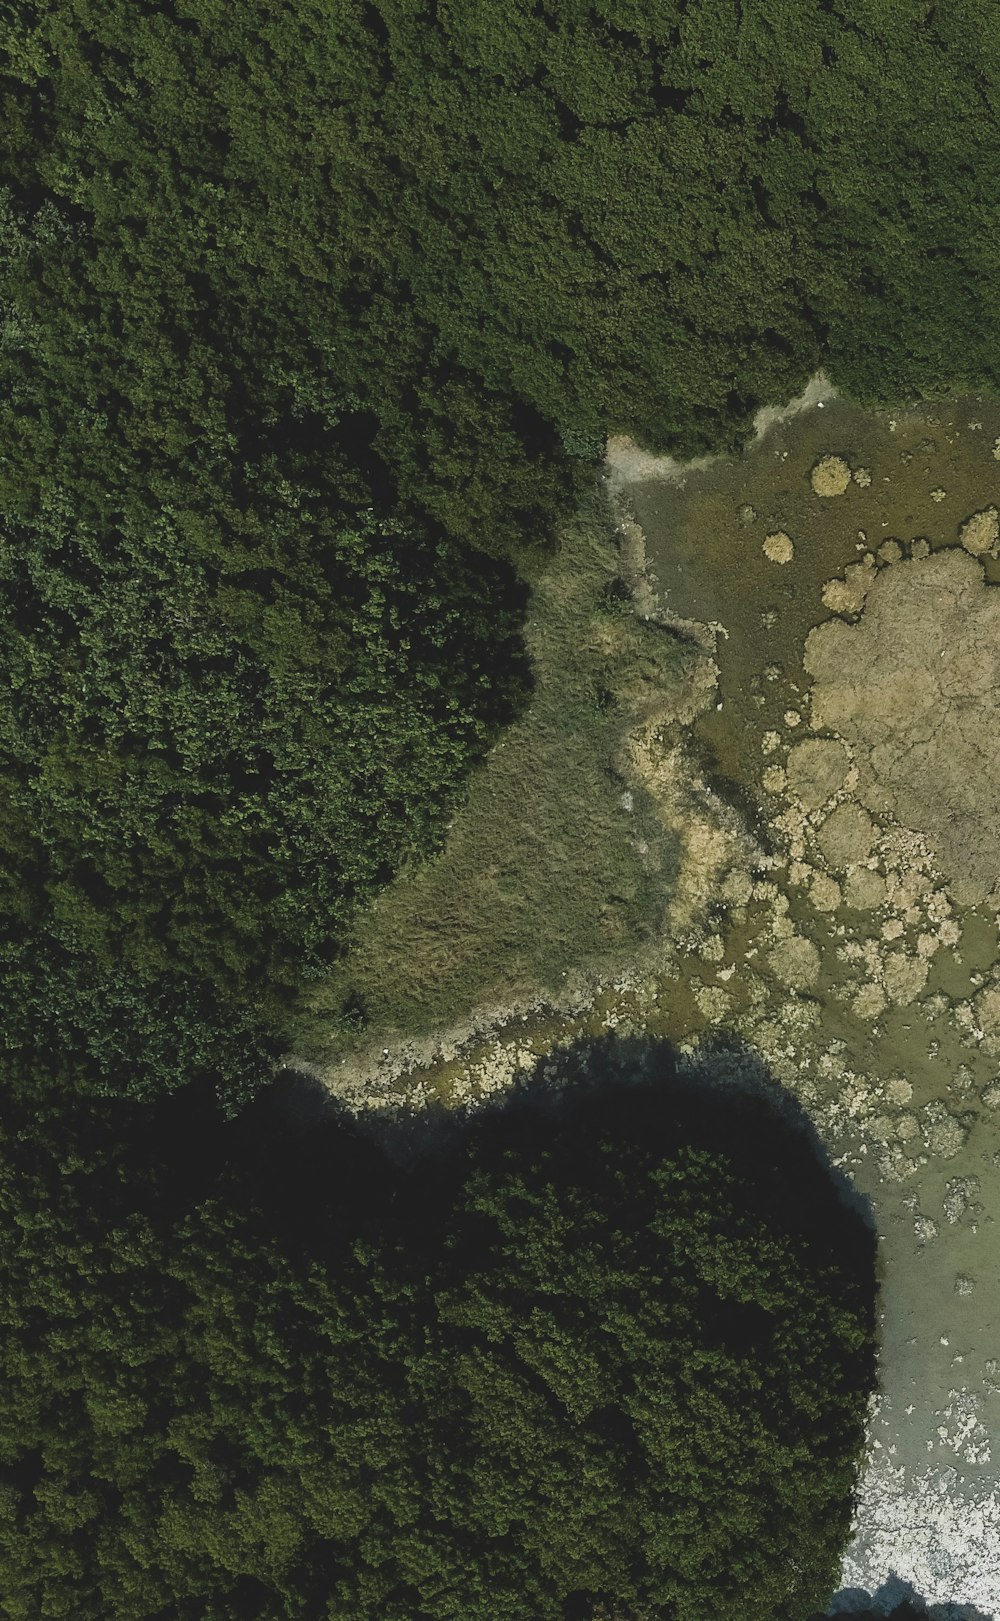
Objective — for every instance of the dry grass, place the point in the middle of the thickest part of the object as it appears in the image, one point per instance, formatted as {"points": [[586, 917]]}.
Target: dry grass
{"points": [[555, 861]]}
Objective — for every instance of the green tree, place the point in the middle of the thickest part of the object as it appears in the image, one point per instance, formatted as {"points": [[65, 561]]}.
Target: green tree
{"points": [[612, 1358]]}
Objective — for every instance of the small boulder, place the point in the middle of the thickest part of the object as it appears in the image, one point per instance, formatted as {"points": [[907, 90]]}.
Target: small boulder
{"points": [[830, 476], [778, 547]]}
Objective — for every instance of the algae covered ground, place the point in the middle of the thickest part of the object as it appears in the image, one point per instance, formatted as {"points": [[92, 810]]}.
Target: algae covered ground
{"points": [[753, 802]]}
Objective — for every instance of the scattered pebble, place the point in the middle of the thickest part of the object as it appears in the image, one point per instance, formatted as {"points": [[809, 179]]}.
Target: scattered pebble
{"points": [[938, 495]]}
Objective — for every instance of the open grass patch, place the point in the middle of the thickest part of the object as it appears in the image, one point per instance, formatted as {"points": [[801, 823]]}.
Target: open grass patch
{"points": [[558, 858]]}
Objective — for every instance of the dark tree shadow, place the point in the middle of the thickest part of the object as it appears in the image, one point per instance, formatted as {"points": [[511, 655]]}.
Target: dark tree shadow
{"points": [[897, 1600], [314, 1166], [314, 1181]]}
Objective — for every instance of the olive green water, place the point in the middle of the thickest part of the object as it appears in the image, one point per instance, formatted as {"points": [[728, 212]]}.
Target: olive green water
{"points": [[926, 1149]]}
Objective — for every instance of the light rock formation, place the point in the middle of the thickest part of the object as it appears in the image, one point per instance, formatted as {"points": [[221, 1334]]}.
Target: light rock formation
{"points": [[816, 770], [830, 476], [981, 532], [846, 837], [778, 547], [914, 687]]}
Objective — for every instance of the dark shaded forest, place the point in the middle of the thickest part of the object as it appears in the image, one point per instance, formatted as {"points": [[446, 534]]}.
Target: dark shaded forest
{"points": [[606, 1346], [313, 323]]}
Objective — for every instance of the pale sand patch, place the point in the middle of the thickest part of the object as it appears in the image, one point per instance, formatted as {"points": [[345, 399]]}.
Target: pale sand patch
{"points": [[825, 893], [904, 977], [846, 837], [981, 532], [795, 962], [847, 595], [869, 1001], [628, 463], [778, 547], [816, 770], [830, 476], [864, 890], [817, 390]]}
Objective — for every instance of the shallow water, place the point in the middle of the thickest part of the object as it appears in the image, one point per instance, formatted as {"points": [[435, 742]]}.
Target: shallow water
{"points": [[928, 1155]]}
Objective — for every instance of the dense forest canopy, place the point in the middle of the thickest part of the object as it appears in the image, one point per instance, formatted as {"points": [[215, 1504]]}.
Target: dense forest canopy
{"points": [[607, 1356], [312, 324], [314, 319]]}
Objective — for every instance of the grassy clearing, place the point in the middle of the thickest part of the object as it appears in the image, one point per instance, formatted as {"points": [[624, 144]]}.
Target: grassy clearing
{"points": [[555, 861]]}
